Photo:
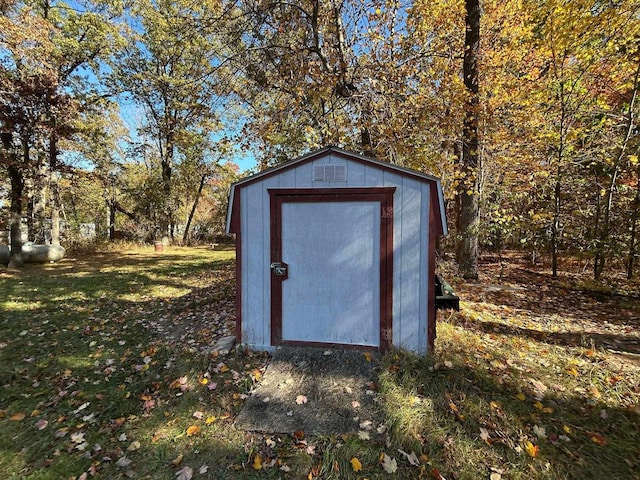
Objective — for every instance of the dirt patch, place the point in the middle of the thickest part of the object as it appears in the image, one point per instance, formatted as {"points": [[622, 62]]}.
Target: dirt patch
{"points": [[318, 391]]}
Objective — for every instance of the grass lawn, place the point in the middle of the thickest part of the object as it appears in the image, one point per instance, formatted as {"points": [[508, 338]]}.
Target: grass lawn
{"points": [[106, 372]]}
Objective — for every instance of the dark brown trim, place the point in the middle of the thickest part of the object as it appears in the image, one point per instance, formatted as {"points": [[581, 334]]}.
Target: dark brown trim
{"points": [[275, 209], [384, 195], [435, 215], [431, 276], [346, 346], [238, 288], [234, 227]]}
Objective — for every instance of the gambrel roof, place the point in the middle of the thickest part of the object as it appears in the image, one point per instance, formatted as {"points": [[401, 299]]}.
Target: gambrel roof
{"points": [[437, 197]]}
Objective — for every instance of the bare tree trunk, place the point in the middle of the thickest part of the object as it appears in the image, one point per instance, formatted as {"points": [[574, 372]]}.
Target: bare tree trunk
{"points": [[17, 185], [555, 227], [53, 186], [603, 240], [185, 236], [40, 202], [15, 208], [469, 190], [634, 227], [111, 205]]}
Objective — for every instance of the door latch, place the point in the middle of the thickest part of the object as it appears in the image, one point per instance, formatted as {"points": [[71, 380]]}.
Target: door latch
{"points": [[279, 269]]}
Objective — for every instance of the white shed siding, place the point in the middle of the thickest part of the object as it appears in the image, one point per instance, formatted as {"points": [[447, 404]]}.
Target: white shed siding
{"points": [[411, 287]]}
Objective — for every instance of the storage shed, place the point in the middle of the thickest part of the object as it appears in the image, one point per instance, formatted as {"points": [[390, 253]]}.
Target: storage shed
{"points": [[336, 249]]}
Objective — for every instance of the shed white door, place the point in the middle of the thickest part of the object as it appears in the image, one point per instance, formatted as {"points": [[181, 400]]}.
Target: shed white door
{"points": [[331, 293]]}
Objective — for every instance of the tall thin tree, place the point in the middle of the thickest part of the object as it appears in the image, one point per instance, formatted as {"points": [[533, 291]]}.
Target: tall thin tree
{"points": [[469, 211]]}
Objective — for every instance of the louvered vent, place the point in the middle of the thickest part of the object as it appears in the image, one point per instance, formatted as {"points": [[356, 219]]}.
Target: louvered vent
{"points": [[330, 173]]}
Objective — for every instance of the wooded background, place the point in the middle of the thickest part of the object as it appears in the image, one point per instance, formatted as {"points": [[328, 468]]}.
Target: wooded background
{"points": [[129, 115]]}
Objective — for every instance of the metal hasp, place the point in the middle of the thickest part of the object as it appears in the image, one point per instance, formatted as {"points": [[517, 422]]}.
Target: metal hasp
{"points": [[445, 297], [279, 269]]}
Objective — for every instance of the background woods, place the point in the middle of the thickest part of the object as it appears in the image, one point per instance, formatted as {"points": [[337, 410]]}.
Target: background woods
{"points": [[128, 119]]}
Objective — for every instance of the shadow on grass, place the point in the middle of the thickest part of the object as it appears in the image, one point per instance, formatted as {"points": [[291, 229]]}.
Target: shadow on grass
{"points": [[622, 343], [451, 406], [81, 364]]}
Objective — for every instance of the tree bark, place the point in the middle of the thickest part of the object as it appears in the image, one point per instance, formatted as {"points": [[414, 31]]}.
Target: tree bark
{"points": [[112, 219], [40, 202], [167, 172], [469, 186], [10, 161], [17, 186], [634, 227], [53, 185], [630, 125], [555, 227], [185, 236]]}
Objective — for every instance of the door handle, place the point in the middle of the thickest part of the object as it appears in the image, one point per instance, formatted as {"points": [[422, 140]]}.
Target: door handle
{"points": [[279, 269]]}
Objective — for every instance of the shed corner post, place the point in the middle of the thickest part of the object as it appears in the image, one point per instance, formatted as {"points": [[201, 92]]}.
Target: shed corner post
{"points": [[238, 245]]}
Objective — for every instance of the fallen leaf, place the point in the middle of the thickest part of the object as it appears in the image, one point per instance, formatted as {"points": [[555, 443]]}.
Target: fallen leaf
{"points": [[17, 417], [367, 356], [412, 458], [495, 476], [362, 435], [521, 397], [178, 460], [301, 399], [193, 430], [436, 475], [531, 449], [123, 462], [298, 434], [366, 425], [597, 438], [185, 473], [389, 464], [42, 424], [539, 431], [198, 415], [356, 465], [210, 420], [257, 462], [203, 469], [135, 445]]}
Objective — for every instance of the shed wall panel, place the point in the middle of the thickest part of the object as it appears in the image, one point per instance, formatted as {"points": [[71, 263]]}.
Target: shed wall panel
{"points": [[252, 261], [408, 286]]}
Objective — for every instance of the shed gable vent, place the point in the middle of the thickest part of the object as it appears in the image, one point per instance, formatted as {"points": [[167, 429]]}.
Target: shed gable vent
{"points": [[330, 173]]}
